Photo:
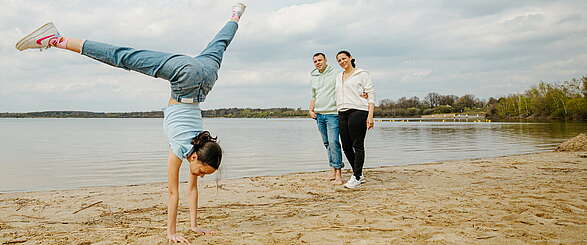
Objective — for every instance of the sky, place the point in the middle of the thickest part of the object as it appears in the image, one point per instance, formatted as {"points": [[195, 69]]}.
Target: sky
{"points": [[485, 48]]}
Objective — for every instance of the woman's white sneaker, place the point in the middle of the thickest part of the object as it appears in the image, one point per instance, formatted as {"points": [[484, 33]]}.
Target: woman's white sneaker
{"points": [[363, 180], [352, 183], [39, 38]]}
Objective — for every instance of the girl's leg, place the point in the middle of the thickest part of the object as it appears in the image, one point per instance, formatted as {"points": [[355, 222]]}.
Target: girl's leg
{"points": [[215, 49], [144, 61], [71, 44], [211, 57]]}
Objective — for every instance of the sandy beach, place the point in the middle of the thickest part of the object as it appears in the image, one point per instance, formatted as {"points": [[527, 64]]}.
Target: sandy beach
{"points": [[536, 198]]}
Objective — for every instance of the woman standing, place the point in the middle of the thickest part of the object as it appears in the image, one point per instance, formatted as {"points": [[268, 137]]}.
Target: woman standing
{"points": [[190, 78], [355, 113]]}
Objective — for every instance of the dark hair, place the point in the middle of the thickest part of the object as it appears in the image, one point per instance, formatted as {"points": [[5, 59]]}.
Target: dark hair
{"points": [[207, 149], [317, 54], [349, 55]]}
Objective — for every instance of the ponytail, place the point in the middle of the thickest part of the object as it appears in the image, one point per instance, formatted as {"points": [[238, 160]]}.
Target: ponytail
{"points": [[207, 149], [202, 138]]}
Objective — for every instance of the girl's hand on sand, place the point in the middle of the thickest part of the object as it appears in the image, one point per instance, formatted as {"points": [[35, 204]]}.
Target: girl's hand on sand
{"points": [[177, 238], [203, 231]]}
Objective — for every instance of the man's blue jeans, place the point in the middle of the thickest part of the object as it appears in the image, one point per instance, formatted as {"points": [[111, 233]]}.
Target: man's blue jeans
{"points": [[328, 126]]}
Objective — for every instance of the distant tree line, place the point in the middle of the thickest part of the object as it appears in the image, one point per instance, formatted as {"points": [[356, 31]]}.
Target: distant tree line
{"points": [[433, 103], [255, 113], [83, 114], [546, 101], [558, 101], [230, 113], [554, 101]]}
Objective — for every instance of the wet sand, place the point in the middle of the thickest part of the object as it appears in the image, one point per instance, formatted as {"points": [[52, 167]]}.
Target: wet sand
{"points": [[525, 199]]}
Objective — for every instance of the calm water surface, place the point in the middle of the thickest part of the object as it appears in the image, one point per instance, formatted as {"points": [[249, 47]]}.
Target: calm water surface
{"points": [[47, 154]]}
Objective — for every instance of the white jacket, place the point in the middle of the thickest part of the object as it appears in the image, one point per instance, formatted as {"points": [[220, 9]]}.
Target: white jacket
{"points": [[348, 92]]}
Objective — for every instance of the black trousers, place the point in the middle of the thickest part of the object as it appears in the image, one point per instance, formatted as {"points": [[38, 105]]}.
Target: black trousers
{"points": [[353, 128]]}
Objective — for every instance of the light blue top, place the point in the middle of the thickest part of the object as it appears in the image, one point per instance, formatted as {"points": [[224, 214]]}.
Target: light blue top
{"points": [[182, 122]]}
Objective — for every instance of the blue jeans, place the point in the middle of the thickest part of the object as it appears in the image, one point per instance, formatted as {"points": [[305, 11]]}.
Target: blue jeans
{"points": [[328, 127], [191, 78]]}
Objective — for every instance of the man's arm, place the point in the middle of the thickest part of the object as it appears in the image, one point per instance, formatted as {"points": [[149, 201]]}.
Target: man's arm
{"points": [[311, 109]]}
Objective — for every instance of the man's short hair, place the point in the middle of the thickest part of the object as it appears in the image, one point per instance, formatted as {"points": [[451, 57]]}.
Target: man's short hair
{"points": [[316, 54]]}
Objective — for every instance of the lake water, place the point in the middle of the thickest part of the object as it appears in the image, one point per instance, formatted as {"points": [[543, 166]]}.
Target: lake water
{"points": [[48, 154]]}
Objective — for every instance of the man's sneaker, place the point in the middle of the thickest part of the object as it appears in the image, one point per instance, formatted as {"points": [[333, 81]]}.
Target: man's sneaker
{"points": [[352, 183], [238, 10], [39, 38]]}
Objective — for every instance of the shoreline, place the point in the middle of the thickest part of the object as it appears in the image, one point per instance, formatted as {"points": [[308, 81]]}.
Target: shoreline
{"points": [[347, 170], [516, 199]]}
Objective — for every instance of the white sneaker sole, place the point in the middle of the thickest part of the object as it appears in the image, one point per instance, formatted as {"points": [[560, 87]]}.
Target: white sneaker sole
{"points": [[45, 29], [351, 187]]}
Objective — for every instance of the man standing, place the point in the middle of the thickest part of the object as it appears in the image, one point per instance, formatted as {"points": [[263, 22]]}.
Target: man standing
{"points": [[323, 109]]}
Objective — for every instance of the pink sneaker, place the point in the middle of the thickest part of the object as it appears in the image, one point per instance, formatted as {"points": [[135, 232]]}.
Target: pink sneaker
{"points": [[39, 38], [238, 10]]}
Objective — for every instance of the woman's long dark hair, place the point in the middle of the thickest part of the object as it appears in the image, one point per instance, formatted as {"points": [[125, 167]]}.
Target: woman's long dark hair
{"points": [[207, 149], [349, 55]]}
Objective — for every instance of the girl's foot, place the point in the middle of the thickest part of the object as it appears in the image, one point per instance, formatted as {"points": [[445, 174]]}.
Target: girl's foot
{"points": [[39, 38], [237, 11]]}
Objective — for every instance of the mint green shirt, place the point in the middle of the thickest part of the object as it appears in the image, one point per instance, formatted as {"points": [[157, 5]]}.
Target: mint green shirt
{"points": [[324, 90]]}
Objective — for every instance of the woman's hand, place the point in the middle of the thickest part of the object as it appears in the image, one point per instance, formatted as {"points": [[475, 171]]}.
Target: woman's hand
{"points": [[201, 230], [365, 95], [370, 123], [312, 114], [177, 238]]}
